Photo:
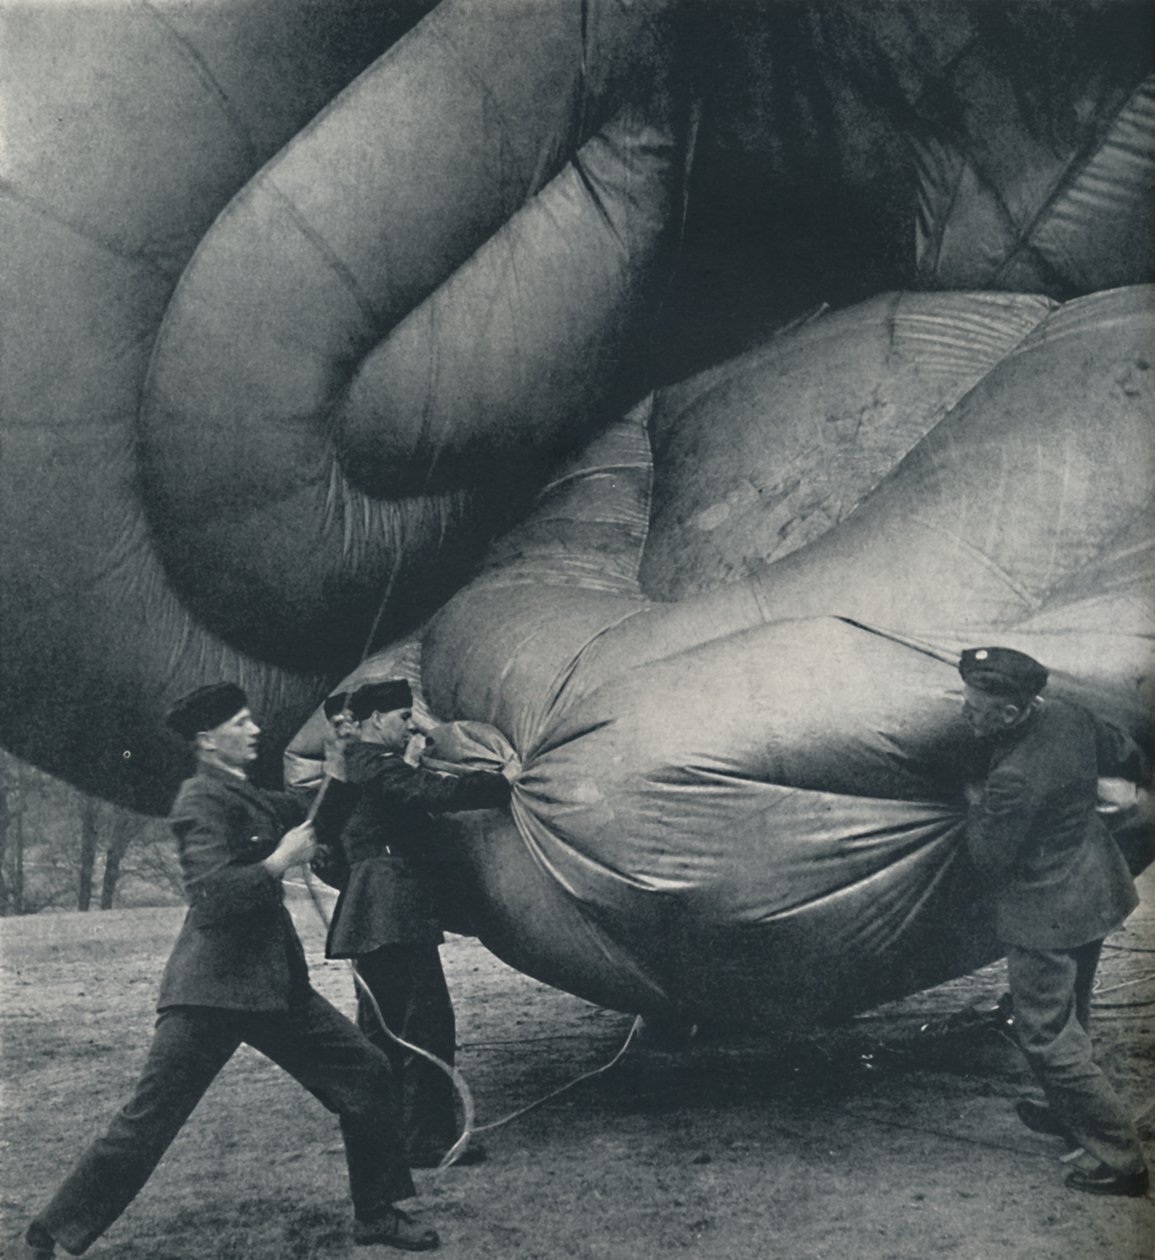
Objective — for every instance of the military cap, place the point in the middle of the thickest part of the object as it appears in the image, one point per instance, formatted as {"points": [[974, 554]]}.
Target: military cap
{"points": [[205, 708], [335, 704], [380, 697], [1002, 672]]}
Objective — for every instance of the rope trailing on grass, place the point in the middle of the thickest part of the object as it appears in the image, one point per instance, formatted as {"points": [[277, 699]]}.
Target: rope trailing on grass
{"points": [[469, 1110]]}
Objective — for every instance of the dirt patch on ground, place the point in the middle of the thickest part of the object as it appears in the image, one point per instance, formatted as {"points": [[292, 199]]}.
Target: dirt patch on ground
{"points": [[891, 1137]]}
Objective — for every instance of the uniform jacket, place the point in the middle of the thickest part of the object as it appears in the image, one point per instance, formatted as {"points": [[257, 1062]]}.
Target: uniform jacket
{"points": [[387, 899], [238, 948], [1061, 880]]}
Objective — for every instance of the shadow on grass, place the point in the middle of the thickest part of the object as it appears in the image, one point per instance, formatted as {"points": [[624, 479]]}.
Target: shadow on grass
{"points": [[711, 1069]]}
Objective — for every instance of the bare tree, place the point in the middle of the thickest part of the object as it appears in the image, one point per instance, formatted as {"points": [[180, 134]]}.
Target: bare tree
{"points": [[127, 829], [52, 840], [11, 836], [90, 819], [5, 816]]}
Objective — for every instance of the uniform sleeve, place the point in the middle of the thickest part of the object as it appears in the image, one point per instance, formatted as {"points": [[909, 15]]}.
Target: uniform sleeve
{"points": [[1117, 754], [441, 793], [999, 821], [290, 807], [220, 886]]}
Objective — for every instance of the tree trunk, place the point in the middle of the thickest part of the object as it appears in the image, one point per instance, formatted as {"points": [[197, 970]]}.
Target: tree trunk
{"points": [[121, 839], [89, 829], [18, 867], [12, 841], [5, 891]]}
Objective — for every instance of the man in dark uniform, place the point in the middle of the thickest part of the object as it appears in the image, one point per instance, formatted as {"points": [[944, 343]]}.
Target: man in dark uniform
{"points": [[1061, 884], [237, 974], [386, 917]]}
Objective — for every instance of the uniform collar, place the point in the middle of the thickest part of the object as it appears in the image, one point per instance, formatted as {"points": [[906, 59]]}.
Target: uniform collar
{"points": [[222, 772], [238, 783]]}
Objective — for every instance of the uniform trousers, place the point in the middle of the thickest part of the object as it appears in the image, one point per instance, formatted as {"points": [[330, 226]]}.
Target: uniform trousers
{"points": [[312, 1041], [408, 984], [1051, 991]]}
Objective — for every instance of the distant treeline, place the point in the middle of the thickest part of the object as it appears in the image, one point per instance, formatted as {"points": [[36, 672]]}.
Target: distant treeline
{"points": [[61, 849]]}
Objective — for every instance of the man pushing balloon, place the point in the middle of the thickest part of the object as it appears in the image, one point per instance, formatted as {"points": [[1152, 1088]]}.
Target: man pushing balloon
{"points": [[1060, 885]]}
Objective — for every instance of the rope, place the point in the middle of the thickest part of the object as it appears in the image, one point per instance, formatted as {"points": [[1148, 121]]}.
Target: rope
{"points": [[585, 1076], [459, 1082], [469, 1110], [1124, 984]]}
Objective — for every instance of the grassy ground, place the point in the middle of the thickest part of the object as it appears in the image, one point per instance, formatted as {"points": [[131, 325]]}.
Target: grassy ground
{"points": [[891, 1138]]}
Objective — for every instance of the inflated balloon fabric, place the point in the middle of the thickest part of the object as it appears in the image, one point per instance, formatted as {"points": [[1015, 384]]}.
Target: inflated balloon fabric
{"points": [[399, 320], [303, 302], [296, 315], [747, 804], [131, 126]]}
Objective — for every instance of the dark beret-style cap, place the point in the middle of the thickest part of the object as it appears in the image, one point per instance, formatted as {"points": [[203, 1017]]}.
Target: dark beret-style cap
{"points": [[1002, 672], [205, 708], [335, 704], [380, 697]]}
